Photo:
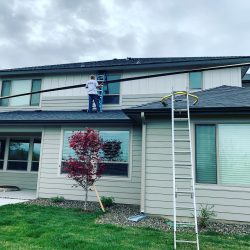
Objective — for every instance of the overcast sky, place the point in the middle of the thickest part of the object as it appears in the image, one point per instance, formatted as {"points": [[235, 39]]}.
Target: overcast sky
{"points": [[40, 32]]}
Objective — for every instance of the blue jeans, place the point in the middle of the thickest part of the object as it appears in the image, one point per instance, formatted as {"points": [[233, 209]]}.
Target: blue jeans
{"points": [[95, 98]]}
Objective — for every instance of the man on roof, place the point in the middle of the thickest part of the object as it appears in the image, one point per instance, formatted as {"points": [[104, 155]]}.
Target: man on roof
{"points": [[92, 86]]}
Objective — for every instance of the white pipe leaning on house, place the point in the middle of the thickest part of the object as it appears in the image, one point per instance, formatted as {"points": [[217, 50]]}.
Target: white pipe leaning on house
{"points": [[143, 162]]}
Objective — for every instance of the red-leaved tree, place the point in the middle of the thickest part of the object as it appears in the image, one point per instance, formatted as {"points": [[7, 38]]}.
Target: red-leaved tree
{"points": [[86, 166]]}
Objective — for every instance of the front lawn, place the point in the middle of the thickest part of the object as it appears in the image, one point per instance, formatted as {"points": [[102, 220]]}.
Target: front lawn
{"points": [[25, 227]]}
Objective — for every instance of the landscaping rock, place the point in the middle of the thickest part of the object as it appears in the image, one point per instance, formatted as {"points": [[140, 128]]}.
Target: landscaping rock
{"points": [[118, 215]]}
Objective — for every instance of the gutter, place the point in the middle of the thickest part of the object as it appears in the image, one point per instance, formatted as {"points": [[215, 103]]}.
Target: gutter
{"points": [[64, 121], [143, 162], [195, 111]]}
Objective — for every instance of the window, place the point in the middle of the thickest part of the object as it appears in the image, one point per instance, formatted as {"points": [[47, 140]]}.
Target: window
{"points": [[20, 154], [2, 151], [36, 154], [195, 80], [115, 152], [234, 153], [205, 154], [232, 164], [111, 91], [15, 87]]}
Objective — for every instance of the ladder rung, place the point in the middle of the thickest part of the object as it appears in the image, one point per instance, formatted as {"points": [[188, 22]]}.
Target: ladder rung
{"points": [[182, 140], [181, 119], [183, 207], [187, 241], [180, 110], [186, 223], [183, 164], [182, 151], [180, 100], [184, 191], [181, 129], [183, 177]]}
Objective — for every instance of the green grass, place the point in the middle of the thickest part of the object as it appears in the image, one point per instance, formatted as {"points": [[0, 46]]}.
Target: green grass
{"points": [[24, 227]]}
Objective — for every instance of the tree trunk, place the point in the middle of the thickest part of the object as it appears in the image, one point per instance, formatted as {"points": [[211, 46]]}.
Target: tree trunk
{"points": [[86, 198]]}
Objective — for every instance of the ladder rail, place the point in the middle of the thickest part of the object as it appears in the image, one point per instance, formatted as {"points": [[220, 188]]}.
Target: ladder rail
{"points": [[102, 79], [173, 162], [192, 174]]}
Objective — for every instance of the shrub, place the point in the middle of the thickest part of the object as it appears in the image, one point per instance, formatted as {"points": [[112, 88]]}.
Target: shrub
{"points": [[107, 201], [57, 199], [206, 214]]}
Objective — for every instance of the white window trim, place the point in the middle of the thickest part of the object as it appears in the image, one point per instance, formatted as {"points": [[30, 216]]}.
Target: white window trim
{"points": [[6, 154], [22, 107], [218, 184], [103, 177]]}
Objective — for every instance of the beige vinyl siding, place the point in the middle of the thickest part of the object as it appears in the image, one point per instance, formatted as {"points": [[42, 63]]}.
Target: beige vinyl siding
{"points": [[155, 85], [132, 92], [219, 77], [231, 203], [21, 180], [70, 103], [56, 81], [124, 190], [78, 102]]}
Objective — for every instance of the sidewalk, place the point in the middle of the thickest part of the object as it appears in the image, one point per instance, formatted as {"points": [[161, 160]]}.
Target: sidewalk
{"points": [[6, 201]]}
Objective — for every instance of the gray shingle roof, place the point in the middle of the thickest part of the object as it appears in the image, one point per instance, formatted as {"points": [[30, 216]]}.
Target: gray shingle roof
{"points": [[220, 98], [129, 63], [39, 117], [246, 77]]}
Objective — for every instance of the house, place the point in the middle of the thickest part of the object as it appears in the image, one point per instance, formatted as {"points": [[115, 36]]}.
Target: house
{"points": [[34, 131]]}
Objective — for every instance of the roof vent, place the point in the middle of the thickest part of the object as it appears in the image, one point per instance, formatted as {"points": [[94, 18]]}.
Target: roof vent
{"points": [[128, 58]]}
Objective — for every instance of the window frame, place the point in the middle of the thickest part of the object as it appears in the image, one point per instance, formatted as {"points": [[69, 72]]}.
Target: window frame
{"points": [[30, 96], [6, 154], [104, 128], [120, 88], [218, 184]]}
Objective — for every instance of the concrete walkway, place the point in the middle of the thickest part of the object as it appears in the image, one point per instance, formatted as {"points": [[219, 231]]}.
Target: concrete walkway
{"points": [[13, 197], [6, 201]]}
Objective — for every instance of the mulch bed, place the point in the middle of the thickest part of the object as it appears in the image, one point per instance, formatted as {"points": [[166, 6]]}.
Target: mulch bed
{"points": [[118, 215]]}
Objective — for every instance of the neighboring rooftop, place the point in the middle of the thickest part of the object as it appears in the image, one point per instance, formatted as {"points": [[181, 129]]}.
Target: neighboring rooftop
{"points": [[130, 63], [224, 98], [246, 77], [48, 117]]}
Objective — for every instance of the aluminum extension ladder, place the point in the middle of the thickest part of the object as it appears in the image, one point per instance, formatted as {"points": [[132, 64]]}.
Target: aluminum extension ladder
{"points": [[182, 160], [101, 79]]}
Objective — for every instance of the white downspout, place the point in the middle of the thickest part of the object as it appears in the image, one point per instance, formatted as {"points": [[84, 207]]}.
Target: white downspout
{"points": [[143, 162]]}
